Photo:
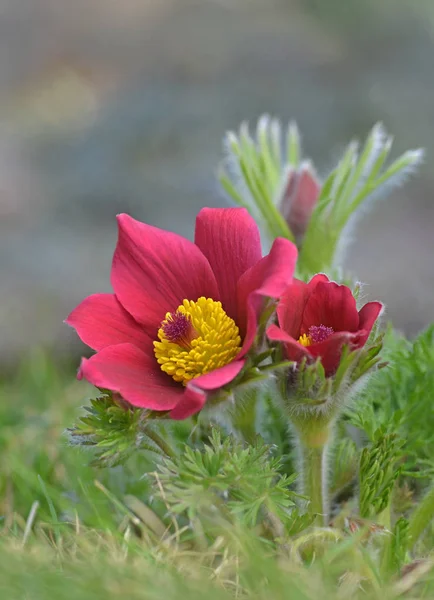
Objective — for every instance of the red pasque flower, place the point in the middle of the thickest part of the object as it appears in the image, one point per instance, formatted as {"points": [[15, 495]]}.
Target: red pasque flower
{"points": [[183, 315], [318, 318], [299, 198]]}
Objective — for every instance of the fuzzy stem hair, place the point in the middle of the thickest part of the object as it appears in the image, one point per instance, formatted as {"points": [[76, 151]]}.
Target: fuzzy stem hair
{"points": [[313, 465]]}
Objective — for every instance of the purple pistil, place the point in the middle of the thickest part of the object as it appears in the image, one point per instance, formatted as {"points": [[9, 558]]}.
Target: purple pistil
{"points": [[319, 333]]}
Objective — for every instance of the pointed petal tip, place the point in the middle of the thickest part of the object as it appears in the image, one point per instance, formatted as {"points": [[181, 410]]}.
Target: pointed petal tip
{"points": [[101, 321], [124, 219], [192, 402], [276, 334]]}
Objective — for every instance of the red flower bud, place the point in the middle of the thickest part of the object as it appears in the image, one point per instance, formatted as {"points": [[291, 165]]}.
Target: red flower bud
{"points": [[299, 196]]}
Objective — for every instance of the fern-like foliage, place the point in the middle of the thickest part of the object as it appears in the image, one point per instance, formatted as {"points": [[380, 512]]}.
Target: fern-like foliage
{"points": [[400, 399], [224, 480], [378, 471], [116, 430]]}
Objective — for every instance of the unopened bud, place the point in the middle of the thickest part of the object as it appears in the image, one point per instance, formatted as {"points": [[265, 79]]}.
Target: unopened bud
{"points": [[299, 197]]}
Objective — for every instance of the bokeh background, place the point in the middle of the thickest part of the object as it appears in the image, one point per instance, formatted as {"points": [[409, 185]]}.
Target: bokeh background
{"points": [[110, 106]]}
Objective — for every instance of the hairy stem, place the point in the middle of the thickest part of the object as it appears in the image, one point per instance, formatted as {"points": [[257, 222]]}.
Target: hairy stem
{"points": [[158, 441], [244, 419], [313, 464]]}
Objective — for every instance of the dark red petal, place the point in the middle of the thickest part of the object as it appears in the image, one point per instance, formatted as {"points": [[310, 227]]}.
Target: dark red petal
{"points": [[229, 238], [154, 270], [124, 368], [292, 304], [267, 279], [292, 348], [195, 395], [101, 321], [367, 317], [291, 307], [316, 279], [331, 305], [331, 349]]}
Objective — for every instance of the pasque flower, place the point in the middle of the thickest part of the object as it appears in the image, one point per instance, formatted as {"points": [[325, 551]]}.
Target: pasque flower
{"points": [[318, 318], [299, 197], [183, 315]]}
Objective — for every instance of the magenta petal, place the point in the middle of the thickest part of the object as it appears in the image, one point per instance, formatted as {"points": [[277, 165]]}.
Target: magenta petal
{"points": [[100, 321], [195, 395], [191, 402], [267, 279], [293, 350], [229, 238], [217, 378], [154, 271], [124, 368], [275, 334]]}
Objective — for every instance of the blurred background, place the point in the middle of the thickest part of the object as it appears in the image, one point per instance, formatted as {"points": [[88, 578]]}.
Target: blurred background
{"points": [[109, 106]]}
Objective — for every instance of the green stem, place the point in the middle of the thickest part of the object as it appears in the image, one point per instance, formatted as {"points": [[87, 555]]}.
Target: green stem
{"points": [[421, 518], [313, 470], [244, 419], [313, 454], [158, 441]]}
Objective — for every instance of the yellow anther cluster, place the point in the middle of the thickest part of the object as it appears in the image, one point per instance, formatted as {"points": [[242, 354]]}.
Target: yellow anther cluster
{"points": [[216, 341], [305, 340]]}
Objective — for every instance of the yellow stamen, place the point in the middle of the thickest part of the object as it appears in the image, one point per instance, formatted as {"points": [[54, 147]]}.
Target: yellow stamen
{"points": [[305, 340], [215, 344]]}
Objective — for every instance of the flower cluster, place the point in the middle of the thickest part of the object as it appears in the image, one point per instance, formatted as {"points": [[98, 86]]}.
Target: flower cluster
{"points": [[262, 345], [185, 318]]}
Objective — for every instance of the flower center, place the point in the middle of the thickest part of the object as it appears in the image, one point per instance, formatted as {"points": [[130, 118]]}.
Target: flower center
{"points": [[197, 338], [317, 334]]}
